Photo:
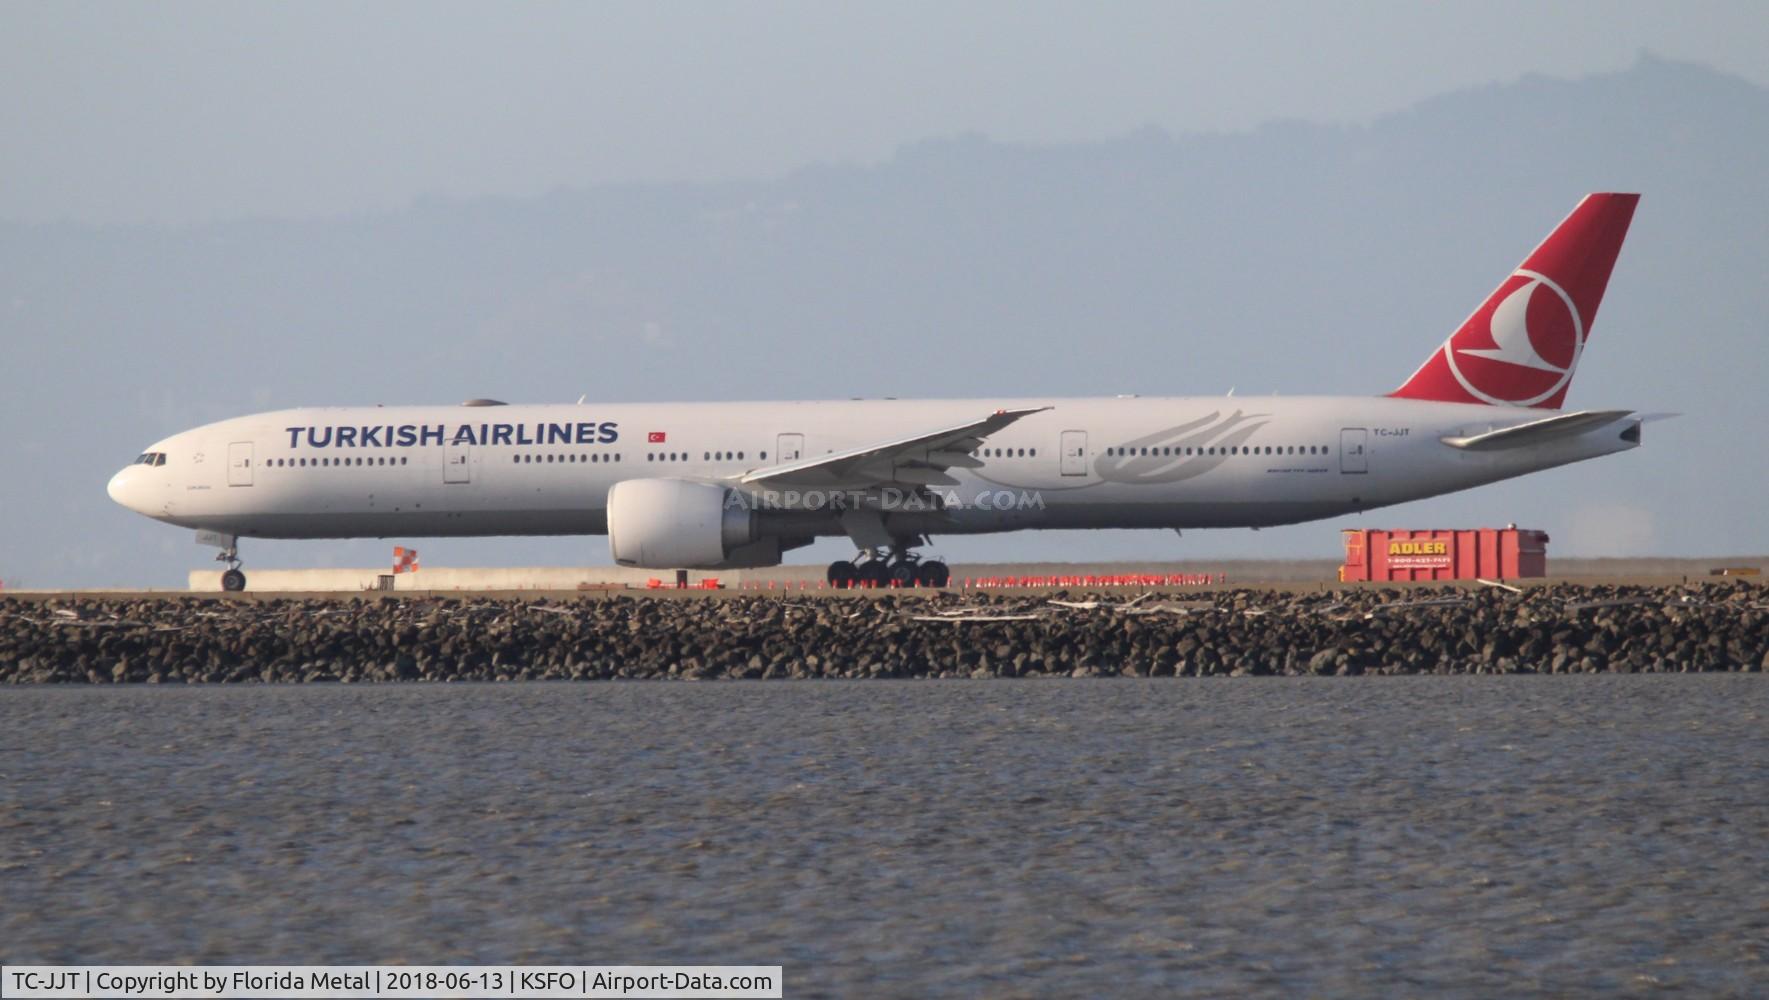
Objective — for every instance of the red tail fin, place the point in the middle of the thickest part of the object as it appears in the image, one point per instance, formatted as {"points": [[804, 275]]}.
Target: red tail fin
{"points": [[1521, 346]]}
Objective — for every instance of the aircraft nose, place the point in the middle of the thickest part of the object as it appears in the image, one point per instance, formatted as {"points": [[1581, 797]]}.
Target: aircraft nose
{"points": [[124, 489]]}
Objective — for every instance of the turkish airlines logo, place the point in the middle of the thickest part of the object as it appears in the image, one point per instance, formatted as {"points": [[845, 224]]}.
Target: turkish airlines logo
{"points": [[1522, 347]]}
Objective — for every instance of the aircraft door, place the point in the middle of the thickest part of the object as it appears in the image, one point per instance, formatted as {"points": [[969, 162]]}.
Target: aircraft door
{"points": [[1074, 451], [457, 463], [789, 448], [1352, 450], [239, 463]]}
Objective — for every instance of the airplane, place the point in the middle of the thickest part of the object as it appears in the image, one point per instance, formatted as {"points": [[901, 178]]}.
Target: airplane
{"points": [[735, 485]]}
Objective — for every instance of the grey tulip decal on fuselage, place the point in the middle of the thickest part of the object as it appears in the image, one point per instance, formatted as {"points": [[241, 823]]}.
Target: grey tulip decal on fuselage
{"points": [[1161, 457]]}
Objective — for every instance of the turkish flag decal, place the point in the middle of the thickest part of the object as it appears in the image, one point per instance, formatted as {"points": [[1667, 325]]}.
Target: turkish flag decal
{"points": [[655, 437]]}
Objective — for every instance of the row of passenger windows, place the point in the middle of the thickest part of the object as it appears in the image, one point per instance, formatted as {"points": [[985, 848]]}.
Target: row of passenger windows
{"points": [[159, 458], [594, 456], [150, 458], [705, 456], [303, 463], [1229, 450]]}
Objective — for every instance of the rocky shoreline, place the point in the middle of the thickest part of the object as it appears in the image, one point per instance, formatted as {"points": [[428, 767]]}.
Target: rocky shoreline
{"points": [[1561, 628]]}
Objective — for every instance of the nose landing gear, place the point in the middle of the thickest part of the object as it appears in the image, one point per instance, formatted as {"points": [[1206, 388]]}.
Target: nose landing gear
{"points": [[232, 580]]}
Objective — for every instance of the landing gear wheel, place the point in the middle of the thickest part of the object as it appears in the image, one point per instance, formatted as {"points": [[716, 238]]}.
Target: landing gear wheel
{"points": [[871, 574], [904, 574], [233, 580], [935, 573], [841, 574]]}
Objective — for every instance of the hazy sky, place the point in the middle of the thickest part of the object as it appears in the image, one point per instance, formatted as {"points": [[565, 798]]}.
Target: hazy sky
{"points": [[193, 112]]}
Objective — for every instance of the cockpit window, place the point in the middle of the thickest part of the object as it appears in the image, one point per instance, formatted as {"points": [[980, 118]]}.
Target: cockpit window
{"points": [[150, 458]]}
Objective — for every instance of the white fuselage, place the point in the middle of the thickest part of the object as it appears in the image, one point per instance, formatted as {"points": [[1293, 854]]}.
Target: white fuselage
{"points": [[1189, 462]]}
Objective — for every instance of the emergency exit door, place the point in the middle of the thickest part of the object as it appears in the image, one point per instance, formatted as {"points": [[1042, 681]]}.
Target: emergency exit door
{"points": [[1352, 445], [1074, 452], [239, 463], [789, 448], [457, 462]]}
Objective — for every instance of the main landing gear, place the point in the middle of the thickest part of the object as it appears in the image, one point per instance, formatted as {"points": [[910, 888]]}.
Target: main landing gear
{"points": [[884, 559], [898, 567]]}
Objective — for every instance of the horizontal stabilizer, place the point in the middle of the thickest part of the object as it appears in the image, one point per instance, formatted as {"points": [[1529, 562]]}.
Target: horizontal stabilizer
{"points": [[1537, 432]]}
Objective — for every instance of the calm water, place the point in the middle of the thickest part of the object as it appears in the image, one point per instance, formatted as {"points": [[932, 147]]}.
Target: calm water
{"points": [[1462, 835]]}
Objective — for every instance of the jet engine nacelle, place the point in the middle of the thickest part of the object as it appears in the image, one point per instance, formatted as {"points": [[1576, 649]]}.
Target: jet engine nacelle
{"points": [[681, 524]]}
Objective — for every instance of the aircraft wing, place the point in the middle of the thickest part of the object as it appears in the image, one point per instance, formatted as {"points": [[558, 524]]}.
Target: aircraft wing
{"points": [[921, 460], [1538, 431]]}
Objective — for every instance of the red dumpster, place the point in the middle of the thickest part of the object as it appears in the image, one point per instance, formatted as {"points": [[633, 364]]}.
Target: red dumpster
{"points": [[1451, 554]]}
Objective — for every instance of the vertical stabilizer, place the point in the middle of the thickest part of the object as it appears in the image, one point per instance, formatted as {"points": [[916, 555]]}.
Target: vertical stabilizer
{"points": [[1521, 347]]}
